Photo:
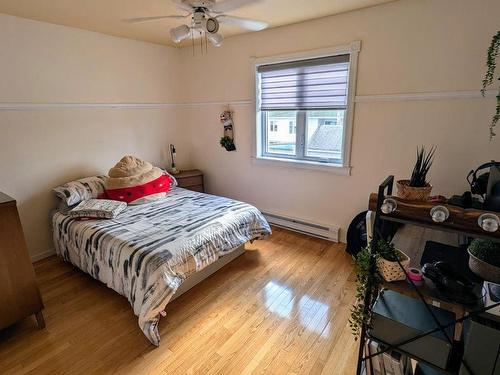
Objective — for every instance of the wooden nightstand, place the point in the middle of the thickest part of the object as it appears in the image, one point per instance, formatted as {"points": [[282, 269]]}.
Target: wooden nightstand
{"points": [[191, 179]]}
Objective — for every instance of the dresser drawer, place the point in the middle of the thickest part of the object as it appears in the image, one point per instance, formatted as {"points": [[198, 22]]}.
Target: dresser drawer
{"points": [[186, 182], [191, 179]]}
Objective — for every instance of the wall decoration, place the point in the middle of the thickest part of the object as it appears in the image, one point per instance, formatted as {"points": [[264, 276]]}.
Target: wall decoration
{"points": [[227, 141]]}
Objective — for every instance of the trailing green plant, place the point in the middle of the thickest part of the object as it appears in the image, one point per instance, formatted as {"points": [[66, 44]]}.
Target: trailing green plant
{"points": [[422, 166], [368, 280], [486, 250], [387, 251], [227, 143], [491, 57]]}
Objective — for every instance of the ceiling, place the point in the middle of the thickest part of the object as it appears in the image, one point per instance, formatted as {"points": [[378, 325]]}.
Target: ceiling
{"points": [[105, 15]]}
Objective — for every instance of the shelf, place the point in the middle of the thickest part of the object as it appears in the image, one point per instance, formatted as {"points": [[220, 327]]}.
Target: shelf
{"points": [[462, 221], [431, 297], [459, 260], [453, 363]]}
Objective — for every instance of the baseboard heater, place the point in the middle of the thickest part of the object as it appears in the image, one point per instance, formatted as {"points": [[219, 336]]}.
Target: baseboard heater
{"points": [[323, 231]]}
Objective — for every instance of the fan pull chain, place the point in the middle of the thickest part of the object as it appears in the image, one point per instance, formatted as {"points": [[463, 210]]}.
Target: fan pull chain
{"points": [[192, 39], [201, 43]]}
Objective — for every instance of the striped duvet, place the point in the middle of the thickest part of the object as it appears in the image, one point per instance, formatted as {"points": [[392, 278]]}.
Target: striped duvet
{"points": [[150, 249]]}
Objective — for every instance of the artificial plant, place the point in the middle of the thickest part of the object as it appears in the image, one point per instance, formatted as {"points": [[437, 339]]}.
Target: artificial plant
{"points": [[486, 250], [227, 143], [422, 166], [490, 76], [388, 251]]}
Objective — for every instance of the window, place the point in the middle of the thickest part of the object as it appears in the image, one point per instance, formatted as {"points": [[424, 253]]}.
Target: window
{"points": [[273, 126], [311, 96], [329, 121], [279, 142]]}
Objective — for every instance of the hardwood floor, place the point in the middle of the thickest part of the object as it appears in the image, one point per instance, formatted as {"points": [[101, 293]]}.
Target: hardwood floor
{"points": [[281, 308]]}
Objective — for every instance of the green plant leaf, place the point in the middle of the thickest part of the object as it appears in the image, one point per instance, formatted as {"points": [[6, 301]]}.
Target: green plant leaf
{"points": [[491, 58], [486, 250], [422, 166], [368, 282]]}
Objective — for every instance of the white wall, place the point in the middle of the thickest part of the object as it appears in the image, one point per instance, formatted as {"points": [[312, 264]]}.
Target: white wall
{"points": [[408, 46], [40, 149]]}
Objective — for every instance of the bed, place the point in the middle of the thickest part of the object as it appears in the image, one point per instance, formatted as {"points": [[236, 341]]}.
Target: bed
{"points": [[150, 250]]}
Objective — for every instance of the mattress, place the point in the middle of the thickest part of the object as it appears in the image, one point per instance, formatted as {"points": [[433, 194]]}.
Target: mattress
{"points": [[149, 250]]}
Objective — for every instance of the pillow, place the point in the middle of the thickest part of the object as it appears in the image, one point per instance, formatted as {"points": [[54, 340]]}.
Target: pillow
{"points": [[131, 180], [98, 208], [139, 193], [74, 192], [173, 180]]}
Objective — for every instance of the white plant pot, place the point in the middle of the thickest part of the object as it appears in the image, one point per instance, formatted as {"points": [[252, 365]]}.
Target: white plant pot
{"points": [[391, 271]]}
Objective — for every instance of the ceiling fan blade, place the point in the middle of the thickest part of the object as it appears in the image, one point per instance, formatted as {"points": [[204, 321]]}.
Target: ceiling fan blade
{"points": [[224, 6], [242, 22], [148, 19], [182, 5]]}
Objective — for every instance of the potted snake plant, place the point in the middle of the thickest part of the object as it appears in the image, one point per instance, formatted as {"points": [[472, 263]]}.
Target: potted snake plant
{"points": [[417, 188]]}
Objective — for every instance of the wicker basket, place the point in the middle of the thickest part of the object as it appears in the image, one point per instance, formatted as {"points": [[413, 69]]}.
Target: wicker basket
{"points": [[484, 270], [405, 191], [391, 271]]}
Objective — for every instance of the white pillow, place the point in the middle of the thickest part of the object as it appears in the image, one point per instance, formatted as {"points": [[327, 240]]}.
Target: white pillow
{"points": [[173, 180], [98, 208], [74, 192]]}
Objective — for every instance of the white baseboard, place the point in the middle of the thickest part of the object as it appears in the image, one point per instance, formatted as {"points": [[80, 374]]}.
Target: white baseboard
{"points": [[327, 232], [43, 255]]}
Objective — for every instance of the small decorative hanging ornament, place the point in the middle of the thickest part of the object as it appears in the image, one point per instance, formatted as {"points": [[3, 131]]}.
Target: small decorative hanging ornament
{"points": [[227, 141]]}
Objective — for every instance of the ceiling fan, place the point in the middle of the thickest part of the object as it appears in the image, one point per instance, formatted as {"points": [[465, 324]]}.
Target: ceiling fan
{"points": [[206, 15]]}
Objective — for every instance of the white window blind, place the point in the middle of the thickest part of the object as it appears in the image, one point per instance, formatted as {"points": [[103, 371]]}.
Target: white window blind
{"points": [[312, 84]]}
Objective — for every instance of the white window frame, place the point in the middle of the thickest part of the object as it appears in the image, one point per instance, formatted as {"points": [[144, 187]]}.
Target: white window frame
{"points": [[261, 158]]}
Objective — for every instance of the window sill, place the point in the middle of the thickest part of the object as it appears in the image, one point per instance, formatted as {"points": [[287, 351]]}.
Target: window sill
{"points": [[301, 164]]}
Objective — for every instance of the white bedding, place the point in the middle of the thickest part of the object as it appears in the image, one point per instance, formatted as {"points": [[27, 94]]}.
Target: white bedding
{"points": [[150, 249]]}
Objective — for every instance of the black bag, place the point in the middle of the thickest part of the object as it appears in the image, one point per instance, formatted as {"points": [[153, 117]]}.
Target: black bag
{"points": [[356, 233]]}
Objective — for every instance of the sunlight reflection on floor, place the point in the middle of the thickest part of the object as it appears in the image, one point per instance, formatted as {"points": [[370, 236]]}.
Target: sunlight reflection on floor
{"points": [[311, 313], [278, 299]]}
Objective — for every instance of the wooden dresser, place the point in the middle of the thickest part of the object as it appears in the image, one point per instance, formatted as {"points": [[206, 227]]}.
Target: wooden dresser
{"points": [[19, 294], [191, 179]]}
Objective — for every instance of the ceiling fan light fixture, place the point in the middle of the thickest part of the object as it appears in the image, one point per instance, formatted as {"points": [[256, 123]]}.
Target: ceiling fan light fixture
{"points": [[215, 39], [206, 17], [211, 25], [179, 33]]}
